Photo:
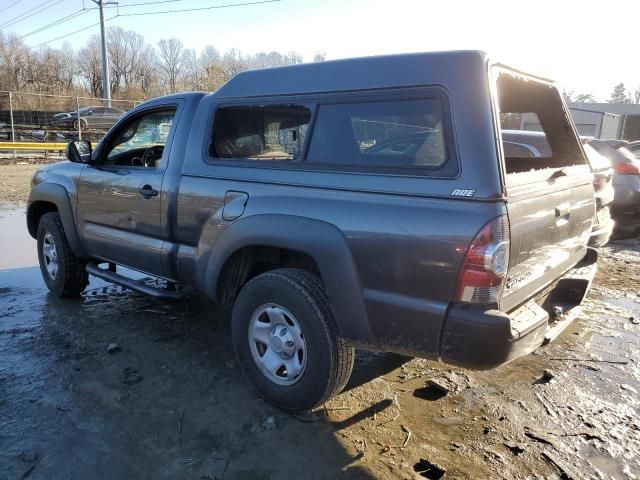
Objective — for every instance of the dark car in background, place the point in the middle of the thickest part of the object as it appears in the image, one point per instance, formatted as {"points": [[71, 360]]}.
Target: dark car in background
{"points": [[101, 118], [523, 143], [626, 177]]}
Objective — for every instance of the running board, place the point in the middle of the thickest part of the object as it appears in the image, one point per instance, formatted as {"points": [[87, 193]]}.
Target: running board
{"points": [[111, 276]]}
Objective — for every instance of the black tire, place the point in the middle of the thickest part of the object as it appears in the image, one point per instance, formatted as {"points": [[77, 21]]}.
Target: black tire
{"points": [[71, 277], [329, 359]]}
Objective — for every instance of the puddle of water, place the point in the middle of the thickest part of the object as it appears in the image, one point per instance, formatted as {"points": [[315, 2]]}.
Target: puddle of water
{"points": [[17, 248], [19, 257], [629, 303]]}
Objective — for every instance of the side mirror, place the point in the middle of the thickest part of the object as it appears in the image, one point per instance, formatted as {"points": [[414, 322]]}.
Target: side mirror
{"points": [[79, 151]]}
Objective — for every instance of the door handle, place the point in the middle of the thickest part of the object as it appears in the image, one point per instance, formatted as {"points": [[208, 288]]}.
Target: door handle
{"points": [[147, 191]]}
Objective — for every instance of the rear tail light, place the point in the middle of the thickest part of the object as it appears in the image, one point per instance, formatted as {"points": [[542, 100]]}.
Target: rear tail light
{"points": [[631, 168], [484, 268]]}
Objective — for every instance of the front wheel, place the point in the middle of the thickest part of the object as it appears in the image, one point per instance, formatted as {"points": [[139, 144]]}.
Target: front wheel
{"points": [[81, 124], [287, 341], [63, 272]]}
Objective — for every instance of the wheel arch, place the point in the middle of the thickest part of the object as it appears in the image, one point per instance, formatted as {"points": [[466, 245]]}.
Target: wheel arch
{"points": [[322, 243], [51, 197]]}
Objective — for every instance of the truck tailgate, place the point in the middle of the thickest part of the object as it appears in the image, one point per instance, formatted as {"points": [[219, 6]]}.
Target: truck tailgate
{"points": [[550, 223], [548, 185]]}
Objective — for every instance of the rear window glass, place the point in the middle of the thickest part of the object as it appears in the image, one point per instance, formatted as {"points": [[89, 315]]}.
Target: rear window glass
{"points": [[536, 132], [274, 132], [398, 133]]}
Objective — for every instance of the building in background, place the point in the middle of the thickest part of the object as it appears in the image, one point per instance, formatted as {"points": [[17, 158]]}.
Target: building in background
{"points": [[599, 120]]}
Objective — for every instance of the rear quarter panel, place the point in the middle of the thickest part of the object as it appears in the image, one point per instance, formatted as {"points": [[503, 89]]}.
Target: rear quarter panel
{"points": [[407, 250], [407, 234]]}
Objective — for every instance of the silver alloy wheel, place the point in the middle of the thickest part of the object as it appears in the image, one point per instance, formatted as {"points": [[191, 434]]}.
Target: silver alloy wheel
{"points": [[50, 255], [277, 344]]}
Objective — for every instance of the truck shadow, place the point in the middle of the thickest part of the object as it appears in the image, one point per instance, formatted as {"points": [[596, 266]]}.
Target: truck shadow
{"points": [[169, 402]]}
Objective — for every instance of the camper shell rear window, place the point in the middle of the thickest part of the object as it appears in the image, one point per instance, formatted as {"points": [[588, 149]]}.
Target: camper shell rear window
{"points": [[536, 132]]}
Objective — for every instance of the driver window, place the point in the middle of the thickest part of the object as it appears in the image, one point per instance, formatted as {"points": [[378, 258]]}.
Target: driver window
{"points": [[141, 142]]}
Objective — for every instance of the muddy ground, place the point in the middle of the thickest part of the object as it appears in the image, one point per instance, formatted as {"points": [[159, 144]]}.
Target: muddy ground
{"points": [[171, 403], [14, 182]]}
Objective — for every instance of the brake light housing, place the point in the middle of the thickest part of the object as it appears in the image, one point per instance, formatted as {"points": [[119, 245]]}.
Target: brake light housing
{"points": [[484, 268], [631, 168]]}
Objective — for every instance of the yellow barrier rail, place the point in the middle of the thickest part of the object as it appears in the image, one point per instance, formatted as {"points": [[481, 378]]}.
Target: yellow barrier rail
{"points": [[32, 146]]}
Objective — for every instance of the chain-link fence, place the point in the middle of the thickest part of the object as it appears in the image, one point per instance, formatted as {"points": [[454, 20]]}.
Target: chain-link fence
{"points": [[28, 117]]}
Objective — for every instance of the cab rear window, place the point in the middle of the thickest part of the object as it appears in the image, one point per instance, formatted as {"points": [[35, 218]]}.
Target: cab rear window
{"points": [[268, 133]]}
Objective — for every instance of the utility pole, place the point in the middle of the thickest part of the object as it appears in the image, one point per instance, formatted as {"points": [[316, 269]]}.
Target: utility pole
{"points": [[106, 89]]}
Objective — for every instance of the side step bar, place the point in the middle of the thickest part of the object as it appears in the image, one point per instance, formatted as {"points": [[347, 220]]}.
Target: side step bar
{"points": [[110, 275]]}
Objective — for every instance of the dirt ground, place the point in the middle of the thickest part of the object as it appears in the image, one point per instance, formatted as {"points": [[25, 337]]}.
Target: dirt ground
{"points": [[170, 401], [14, 182]]}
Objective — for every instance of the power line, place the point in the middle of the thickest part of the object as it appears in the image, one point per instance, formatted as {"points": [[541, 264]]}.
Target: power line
{"points": [[155, 2], [52, 24], [69, 34], [11, 5], [153, 13], [197, 9], [30, 13], [17, 18]]}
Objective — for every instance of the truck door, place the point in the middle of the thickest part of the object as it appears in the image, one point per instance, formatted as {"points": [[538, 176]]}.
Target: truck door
{"points": [[120, 200]]}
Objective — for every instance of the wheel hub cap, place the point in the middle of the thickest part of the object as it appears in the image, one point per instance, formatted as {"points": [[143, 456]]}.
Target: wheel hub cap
{"points": [[277, 344], [50, 255]]}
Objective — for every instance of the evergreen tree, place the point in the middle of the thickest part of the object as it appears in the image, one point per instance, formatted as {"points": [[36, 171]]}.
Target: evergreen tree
{"points": [[619, 94]]}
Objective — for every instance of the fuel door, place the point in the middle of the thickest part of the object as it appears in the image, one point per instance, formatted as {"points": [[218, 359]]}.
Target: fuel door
{"points": [[234, 204]]}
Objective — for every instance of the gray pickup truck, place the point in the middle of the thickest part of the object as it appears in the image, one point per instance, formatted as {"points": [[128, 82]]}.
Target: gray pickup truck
{"points": [[364, 203]]}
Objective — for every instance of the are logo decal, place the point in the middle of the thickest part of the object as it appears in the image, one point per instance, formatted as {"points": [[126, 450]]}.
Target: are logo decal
{"points": [[463, 192]]}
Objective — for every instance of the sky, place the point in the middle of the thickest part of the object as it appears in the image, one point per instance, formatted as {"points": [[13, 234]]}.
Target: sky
{"points": [[587, 46]]}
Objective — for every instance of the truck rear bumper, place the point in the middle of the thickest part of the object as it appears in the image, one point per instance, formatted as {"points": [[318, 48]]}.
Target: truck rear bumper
{"points": [[485, 339]]}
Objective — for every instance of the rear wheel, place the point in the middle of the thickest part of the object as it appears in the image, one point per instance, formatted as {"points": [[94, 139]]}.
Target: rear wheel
{"points": [[80, 123], [63, 272], [287, 341]]}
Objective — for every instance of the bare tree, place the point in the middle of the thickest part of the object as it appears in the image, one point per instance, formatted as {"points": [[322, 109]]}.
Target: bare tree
{"points": [[568, 95], [145, 72], [192, 73], [125, 51], [68, 67], [13, 62], [209, 56], [233, 62], [171, 61], [213, 74], [90, 66], [137, 70]]}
